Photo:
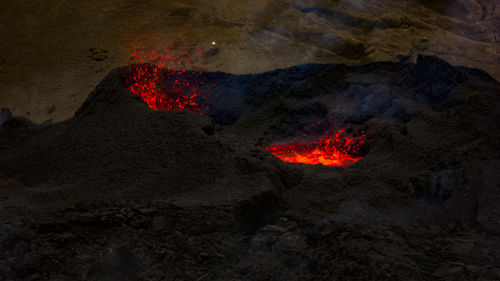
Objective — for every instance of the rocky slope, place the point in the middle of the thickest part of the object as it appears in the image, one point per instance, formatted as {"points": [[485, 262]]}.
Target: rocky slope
{"points": [[55, 54], [121, 192]]}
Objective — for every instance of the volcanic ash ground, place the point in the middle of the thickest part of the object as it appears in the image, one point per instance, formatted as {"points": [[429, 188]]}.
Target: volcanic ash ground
{"points": [[124, 192]]}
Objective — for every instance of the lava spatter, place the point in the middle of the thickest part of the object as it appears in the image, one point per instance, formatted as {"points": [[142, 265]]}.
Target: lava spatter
{"points": [[161, 77], [332, 149]]}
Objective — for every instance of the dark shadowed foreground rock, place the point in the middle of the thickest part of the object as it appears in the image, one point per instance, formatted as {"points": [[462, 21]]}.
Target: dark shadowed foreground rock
{"points": [[121, 192], [116, 148]]}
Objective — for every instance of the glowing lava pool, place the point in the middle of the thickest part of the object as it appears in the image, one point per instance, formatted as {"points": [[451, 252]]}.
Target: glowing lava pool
{"points": [[332, 149]]}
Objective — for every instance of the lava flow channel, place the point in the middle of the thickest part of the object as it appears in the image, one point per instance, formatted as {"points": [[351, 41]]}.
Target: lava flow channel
{"points": [[333, 149]]}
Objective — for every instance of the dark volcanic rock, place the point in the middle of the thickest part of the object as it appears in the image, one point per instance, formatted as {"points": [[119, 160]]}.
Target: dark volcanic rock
{"points": [[116, 147], [121, 192], [5, 115]]}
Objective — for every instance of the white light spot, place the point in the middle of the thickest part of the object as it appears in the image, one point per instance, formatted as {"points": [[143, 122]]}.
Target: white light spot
{"points": [[213, 43]]}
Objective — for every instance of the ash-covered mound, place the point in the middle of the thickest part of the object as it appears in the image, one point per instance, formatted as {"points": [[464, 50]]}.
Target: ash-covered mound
{"points": [[117, 148], [121, 192], [430, 125]]}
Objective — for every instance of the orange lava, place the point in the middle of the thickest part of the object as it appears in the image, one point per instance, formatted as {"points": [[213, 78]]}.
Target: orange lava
{"points": [[333, 149], [144, 81], [158, 74], [160, 77]]}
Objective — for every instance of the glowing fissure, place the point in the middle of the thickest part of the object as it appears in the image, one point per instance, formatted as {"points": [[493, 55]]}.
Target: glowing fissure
{"points": [[332, 149]]}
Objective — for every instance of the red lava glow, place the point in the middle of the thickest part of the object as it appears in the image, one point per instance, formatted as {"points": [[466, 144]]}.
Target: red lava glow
{"points": [[158, 74], [333, 149], [160, 77]]}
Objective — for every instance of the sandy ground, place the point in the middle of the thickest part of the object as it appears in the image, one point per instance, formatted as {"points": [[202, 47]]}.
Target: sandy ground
{"points": [[48, 67]]}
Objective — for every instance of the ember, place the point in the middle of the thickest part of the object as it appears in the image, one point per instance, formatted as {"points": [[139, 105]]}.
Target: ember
{"points": [[161, 79], [332, 149]]}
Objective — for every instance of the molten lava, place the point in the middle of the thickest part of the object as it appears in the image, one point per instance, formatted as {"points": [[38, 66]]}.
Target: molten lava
{"points": [[145, 81], [160, 77], [333, 149]]}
